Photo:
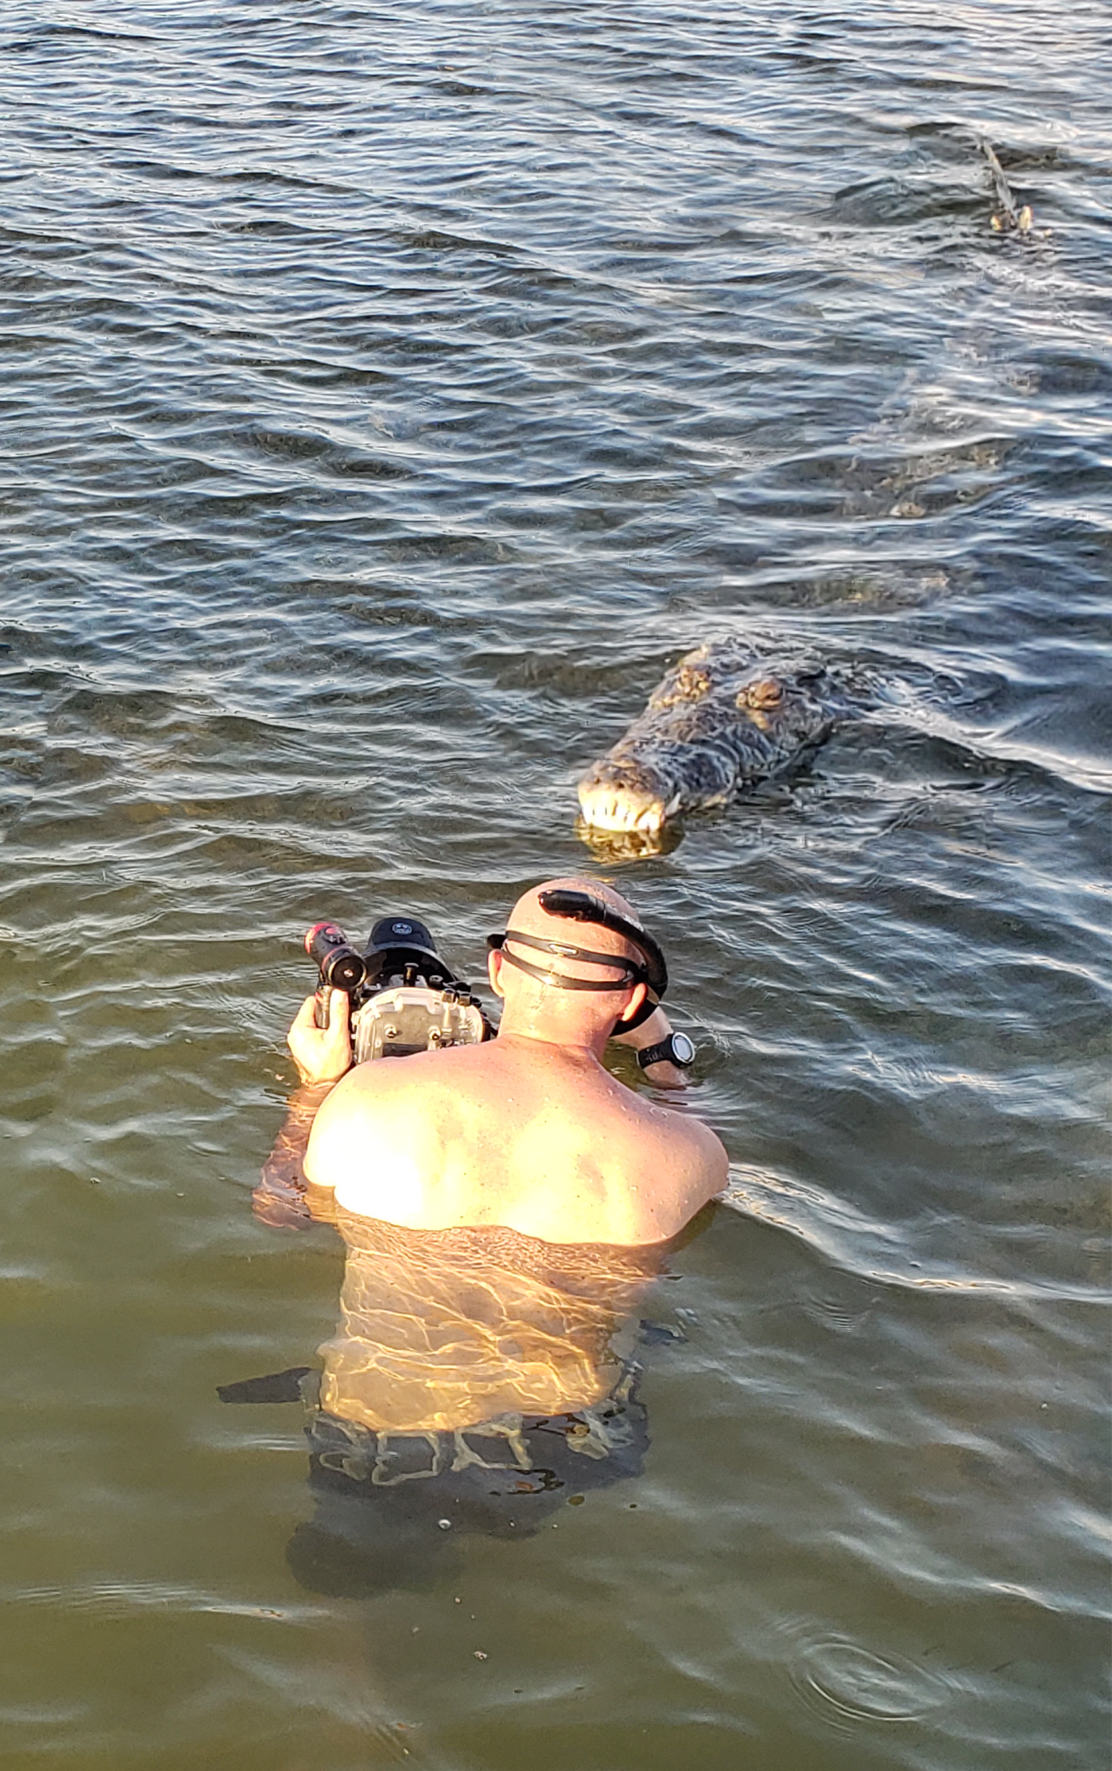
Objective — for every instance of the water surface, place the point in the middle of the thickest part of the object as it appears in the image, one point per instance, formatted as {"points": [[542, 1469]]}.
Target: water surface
{"points": [[390, 394]]}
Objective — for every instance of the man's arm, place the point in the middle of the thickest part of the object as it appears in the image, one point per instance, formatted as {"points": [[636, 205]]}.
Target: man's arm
{"points": [[663, 1073], [322, 1056]]}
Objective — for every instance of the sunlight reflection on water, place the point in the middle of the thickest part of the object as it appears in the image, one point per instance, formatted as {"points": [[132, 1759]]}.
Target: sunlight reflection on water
{"points": [[389, 399]]}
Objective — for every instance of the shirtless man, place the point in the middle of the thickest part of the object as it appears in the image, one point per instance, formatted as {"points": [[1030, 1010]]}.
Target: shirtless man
{"points": [[528, 1131]]}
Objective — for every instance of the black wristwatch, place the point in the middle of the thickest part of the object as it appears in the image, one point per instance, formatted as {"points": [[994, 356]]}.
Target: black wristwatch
{"points": [[676, 1049]]}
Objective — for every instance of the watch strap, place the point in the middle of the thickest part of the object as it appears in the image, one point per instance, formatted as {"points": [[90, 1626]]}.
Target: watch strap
{"points": [[663, 1051]]}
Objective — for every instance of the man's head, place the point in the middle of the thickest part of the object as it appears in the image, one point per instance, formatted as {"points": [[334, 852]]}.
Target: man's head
{"points": [[559, 968]]}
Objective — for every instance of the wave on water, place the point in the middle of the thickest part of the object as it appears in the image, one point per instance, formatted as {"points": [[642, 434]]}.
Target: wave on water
{"points": [[870, 1248]]}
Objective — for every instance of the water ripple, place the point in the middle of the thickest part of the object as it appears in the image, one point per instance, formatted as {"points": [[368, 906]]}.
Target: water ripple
{"points": [[390, 396], [845, 1684]]}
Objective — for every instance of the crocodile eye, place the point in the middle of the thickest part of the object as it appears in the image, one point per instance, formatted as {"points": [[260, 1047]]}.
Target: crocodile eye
{"points": [[765, 693]]}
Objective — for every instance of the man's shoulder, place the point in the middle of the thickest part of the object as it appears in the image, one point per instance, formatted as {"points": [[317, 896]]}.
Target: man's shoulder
{"points": [[663, 1168], [695, 1155], [678, 1125], [367, 1091], [672, 1152], [398, 1089], [384, 1077], [368, 1121]]}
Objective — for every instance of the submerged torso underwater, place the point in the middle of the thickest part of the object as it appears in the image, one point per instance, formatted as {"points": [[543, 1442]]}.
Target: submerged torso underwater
{"points": [[477, 1380], [443, 1329]]}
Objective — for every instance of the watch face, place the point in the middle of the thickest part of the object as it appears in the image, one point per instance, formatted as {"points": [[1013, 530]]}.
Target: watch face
{"points": [[683, 1051]]}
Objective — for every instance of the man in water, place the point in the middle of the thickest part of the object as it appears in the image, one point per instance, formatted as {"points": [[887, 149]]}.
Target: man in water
{"points": [[529, 1131], [504, 1208]]}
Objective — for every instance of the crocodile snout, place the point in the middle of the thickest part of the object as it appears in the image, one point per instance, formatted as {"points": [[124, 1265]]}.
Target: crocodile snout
{"points": [[623, 796]]}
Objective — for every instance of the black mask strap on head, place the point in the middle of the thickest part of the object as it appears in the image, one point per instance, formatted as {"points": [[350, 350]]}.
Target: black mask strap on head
{"points": [[632, 972]]}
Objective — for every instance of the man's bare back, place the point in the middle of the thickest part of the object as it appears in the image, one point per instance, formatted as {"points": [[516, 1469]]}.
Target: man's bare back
{"points": [[528, 1131]]}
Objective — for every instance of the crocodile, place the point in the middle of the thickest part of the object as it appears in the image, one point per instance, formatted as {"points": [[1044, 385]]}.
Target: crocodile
{"points": [[723, 719]]}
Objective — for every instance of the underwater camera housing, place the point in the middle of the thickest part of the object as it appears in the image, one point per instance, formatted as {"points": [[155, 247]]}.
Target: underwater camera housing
{"points": [[404, 998]]}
